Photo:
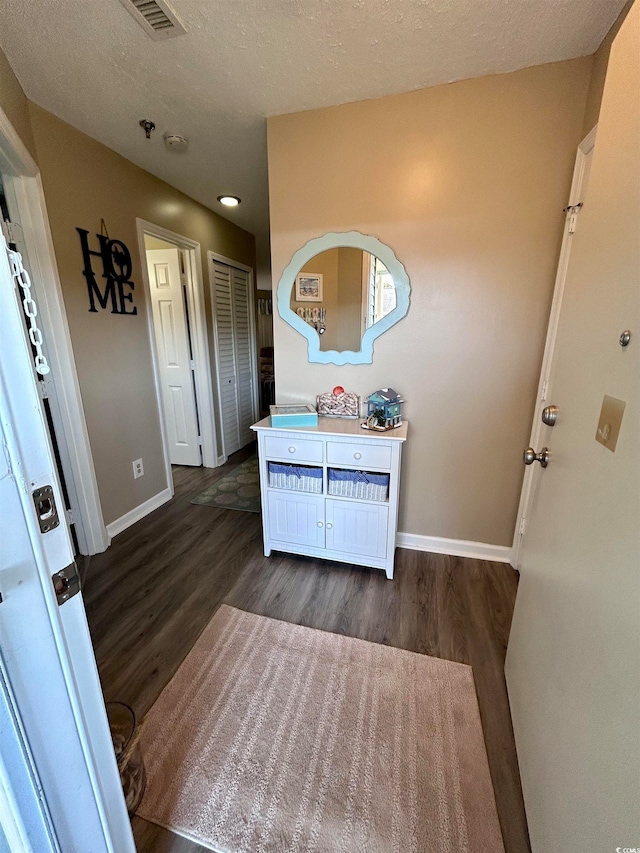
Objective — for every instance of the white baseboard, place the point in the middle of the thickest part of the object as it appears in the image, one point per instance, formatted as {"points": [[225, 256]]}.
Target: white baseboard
{"points": [[138, 512], [454, 547]]}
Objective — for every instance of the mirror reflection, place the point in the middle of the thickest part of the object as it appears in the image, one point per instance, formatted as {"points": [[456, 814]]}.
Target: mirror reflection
{"points": [[341, 293]]}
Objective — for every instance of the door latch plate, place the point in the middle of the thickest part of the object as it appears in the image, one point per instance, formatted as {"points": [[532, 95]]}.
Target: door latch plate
{"points": [[66, 583], [46, 511]]}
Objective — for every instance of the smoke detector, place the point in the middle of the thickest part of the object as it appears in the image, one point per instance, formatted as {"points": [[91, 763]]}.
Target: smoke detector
{"points": [[175, 142]]}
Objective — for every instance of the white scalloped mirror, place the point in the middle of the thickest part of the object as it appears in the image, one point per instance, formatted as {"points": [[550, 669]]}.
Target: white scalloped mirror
{"points": [[341, 292]]}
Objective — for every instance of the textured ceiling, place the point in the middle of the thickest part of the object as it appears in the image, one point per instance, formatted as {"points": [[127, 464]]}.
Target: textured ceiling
{"points": [[91, 64]]}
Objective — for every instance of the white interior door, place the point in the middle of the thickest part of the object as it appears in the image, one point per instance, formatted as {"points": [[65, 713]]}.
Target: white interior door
{"points": [[234, 354], [224, 328], [174, 357], [47, 384], [540, 432], [572, 661], [57, 754]]}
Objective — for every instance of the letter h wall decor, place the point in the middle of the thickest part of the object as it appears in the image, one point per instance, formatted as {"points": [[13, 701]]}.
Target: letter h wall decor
{"points": [[116, 271]]}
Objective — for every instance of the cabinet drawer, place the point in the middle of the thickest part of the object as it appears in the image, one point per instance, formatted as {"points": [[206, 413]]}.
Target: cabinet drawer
{"points": [[359, 455], [301, 449]]}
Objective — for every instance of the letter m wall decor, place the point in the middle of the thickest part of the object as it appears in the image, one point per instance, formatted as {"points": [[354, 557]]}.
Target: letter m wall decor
{"points": [[116, 272]]}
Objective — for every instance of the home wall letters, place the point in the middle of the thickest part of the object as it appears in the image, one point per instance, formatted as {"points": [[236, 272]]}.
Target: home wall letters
{"points": [[116, 270]]}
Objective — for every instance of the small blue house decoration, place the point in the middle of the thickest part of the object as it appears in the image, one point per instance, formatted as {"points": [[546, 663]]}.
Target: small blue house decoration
{"points": [[384, 407]]}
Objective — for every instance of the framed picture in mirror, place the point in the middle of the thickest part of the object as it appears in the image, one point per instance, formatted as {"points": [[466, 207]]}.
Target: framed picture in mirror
{"points": [[309, 287]]}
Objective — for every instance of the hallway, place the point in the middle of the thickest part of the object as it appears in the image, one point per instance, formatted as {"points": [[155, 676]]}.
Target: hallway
{"points": [[152, 593]]}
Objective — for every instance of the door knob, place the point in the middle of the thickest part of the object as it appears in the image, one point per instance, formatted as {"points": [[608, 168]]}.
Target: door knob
{"points": [[550, 415], [530, 456]]}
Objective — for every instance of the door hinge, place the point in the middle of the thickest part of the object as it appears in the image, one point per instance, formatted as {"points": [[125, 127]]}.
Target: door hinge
{"points": [[523, 525], [573, 210], [544, 391], [200, 441], [71, 518], [192, 365], [66, 583], [44, 387], [8, 231]]}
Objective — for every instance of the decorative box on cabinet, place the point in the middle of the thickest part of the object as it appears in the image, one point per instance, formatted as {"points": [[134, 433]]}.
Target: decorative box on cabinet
{"points": [[353, 530]]}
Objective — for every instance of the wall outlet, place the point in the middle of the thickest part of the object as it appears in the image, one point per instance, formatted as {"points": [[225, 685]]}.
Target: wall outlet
{"points": [[138, 468]]}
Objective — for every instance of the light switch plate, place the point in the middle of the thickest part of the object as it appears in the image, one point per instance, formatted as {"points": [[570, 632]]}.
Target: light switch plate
{"points": [[610, 421]]}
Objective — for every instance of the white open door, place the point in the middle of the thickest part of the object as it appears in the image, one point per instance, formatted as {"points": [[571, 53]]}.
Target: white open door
{"points": [[540, 431], [59, 784], [572, 666], [175, 365]]}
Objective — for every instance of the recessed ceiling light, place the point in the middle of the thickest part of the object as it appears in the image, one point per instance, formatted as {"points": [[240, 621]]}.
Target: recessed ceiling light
{"points": [[229, 200]]}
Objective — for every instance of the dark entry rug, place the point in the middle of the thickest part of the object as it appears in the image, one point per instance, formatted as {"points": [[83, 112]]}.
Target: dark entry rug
{"points": [[239, 489]]}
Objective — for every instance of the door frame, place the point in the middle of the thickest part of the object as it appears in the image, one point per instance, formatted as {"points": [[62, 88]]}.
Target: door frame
{"points": [[546, 372], [199, 341], [48, 652], [222, 259], [23, 182]]}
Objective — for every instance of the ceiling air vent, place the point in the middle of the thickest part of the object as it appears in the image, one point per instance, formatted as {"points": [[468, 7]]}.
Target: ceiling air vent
{"points": [[155, 18]]}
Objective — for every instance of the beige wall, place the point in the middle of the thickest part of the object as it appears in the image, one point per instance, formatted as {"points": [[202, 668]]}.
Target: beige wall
{"points": [[85, 182], [341, 271], [599, 72], [466, 183], [14, 102], [349, 299], [326, 265]]}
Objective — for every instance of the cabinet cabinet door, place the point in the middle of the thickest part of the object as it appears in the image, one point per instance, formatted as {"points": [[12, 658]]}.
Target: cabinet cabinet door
{"points": [[357, 528], [296, 518]]}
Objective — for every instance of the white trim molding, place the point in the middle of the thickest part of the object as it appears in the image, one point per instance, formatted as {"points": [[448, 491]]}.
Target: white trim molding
{"points": [[138, 513], [454, 547], [23, 184], [543, 398], [199, 340]]}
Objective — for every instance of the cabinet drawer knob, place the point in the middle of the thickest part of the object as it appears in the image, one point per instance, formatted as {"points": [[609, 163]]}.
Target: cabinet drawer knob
{"points": [[292, 449], [329, 525], [357, 455], [320, 524]]}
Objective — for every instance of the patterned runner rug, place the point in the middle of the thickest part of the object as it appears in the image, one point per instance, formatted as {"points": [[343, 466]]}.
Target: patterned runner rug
{"points": [[239, 489], [274, 737]]}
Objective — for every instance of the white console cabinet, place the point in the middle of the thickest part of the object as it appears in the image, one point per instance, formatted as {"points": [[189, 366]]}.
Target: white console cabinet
{"points": [[331, 491]]}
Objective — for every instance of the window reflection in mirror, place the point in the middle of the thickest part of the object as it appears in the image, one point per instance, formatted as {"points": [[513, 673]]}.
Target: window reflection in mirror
{"points": [[341, 293]]}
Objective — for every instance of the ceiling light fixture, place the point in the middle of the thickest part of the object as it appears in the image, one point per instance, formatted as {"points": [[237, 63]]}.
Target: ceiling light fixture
{"points": [[229, 200], [148, 126]]}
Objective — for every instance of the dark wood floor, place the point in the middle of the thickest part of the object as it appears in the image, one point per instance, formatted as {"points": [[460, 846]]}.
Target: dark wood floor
{"points": [[150, 595]]}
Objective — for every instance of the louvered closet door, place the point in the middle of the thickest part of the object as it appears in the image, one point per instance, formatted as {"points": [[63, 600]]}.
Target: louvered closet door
{"points": [[233, 355], [242, 337]]}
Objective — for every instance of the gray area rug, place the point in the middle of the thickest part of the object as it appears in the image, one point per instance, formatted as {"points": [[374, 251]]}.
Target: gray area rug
{"points": [[272, 737], [239, 489]]}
